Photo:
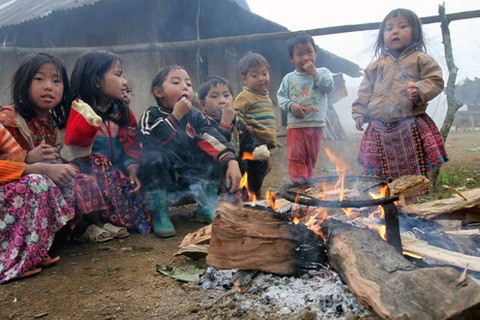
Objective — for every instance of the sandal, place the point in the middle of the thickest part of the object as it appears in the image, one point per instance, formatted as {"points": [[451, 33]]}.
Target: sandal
{"points": [[49, 261], [95, 234], [28, 273], [117, 232]]}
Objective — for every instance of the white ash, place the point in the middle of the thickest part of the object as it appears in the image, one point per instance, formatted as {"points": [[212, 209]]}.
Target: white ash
{"points": [[320, 292]]}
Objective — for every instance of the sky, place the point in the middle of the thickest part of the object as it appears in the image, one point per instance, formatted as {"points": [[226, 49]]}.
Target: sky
{"points": [[358, 46]]}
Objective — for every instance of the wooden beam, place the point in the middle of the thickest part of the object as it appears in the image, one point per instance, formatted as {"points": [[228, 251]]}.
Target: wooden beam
{"points": [[223, 41]]}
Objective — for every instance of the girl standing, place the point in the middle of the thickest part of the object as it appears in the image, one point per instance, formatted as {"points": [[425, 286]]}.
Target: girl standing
{"points": [[400, 139], [97, 79], [37, 118]]}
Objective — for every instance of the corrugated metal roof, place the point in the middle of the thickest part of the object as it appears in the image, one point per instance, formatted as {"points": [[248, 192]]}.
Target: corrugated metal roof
{"points": [[13, 12]]}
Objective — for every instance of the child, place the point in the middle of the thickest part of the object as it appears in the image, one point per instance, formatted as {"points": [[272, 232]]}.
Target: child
{"points": [[178, 140], [400, 139], [97, 79], [255, 109], [303, 95], [216, 100], [33, 209], [37, 118], [127, 92]]}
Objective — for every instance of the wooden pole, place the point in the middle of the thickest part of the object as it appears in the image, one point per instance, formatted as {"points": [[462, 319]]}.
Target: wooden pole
{"points": [[224, 41]]}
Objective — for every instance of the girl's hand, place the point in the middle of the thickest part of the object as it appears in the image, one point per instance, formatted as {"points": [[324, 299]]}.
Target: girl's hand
{"points": [[61, 174], [297, 110], [43, 153], [412, 92], [359, 123], [228, 114], [181, 108], [133, 180], [233, 176]]}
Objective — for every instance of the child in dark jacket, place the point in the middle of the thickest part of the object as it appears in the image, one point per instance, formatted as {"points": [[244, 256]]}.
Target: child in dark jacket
{"points": [[178, 141], [216, 100]]}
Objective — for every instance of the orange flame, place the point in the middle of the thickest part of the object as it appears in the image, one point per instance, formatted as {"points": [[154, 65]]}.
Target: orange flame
{"points": [[244, 185], [341, 167], [247, 156], [271, 198]]}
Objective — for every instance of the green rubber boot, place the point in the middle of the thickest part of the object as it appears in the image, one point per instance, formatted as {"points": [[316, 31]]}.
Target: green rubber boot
{"points": [[207, 202], [162, 225]]}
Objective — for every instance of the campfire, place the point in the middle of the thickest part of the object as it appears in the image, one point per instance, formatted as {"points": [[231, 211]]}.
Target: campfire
{"points": [[327, 221]]}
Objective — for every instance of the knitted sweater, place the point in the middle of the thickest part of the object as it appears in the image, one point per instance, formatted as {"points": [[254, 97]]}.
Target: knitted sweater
{"points": [[255, 109], [303, 89], [12, 157]]}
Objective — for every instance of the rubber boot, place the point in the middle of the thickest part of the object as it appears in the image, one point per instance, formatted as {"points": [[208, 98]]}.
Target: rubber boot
{"points": [[158, 204], [206, 199]]}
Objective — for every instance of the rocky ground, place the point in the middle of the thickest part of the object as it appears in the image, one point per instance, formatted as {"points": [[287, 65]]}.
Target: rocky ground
{"points": [[119, 279]]}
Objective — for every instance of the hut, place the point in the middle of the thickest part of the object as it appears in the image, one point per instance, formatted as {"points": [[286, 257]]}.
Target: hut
{"points": [[204, 36]]}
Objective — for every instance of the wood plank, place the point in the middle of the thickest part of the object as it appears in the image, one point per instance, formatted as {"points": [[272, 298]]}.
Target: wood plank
{"points": [[453, 258]]}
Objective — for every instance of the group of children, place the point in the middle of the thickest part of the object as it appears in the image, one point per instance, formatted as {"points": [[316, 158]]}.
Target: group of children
{"points": [[75, 162]]}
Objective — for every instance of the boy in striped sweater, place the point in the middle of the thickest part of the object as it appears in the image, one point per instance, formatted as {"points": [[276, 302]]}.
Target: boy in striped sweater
{"points": [[255, 109]]}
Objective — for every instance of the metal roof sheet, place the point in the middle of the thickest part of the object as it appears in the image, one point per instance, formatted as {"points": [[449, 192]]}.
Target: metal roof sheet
{"points": [[13, 12]]}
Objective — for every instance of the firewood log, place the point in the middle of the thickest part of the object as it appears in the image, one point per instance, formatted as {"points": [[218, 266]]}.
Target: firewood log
{"points": [[395, 288], [255, 238]]}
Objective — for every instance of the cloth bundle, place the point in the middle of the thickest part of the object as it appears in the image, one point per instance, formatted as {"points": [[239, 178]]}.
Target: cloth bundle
{"points": [[82, 126]]}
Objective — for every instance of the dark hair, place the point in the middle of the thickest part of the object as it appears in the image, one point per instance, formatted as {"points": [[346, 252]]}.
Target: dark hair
{"points": [[212, 81], [300, 38], [160, 77], [22, 79], [250, 60], [89, 68], [413, 20]]}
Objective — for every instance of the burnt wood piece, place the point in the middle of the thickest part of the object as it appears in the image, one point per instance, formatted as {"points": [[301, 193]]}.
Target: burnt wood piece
{"points": [[255, 238], [395, 288]]}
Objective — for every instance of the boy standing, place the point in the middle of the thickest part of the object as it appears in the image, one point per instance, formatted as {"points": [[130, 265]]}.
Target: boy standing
{"points": [[255, 109], [303, 95]]}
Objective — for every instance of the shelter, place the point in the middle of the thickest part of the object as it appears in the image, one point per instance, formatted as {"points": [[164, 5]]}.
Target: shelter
{"points": [[148, 34]]}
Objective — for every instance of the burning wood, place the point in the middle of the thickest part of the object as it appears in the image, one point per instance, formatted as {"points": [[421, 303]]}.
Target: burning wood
{"points": [[257, 239]]}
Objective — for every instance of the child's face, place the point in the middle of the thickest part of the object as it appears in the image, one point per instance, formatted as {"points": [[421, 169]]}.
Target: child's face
{"points": [[303, 53], [398, 34], [257, 78], [217, 99], [127, 94], [176, 85], [113, 83], [46, 89]]}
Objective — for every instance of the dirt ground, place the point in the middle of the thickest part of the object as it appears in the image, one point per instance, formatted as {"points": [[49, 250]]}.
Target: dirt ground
{"points": [[118, 279]]}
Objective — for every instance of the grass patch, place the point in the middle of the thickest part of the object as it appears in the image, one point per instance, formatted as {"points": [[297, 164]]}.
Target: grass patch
{"points": [[458, 176]]}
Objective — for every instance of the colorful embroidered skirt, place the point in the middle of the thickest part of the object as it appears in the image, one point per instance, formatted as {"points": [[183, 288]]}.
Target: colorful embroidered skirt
{"points": [[413, 146], [32, 210], [123, 208]]}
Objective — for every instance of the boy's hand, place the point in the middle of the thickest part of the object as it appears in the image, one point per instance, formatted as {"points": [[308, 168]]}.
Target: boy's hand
{"points": [[228, 113], [359, 123], [297, 110], [181, 107], [310, 68], [233, 176]]}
